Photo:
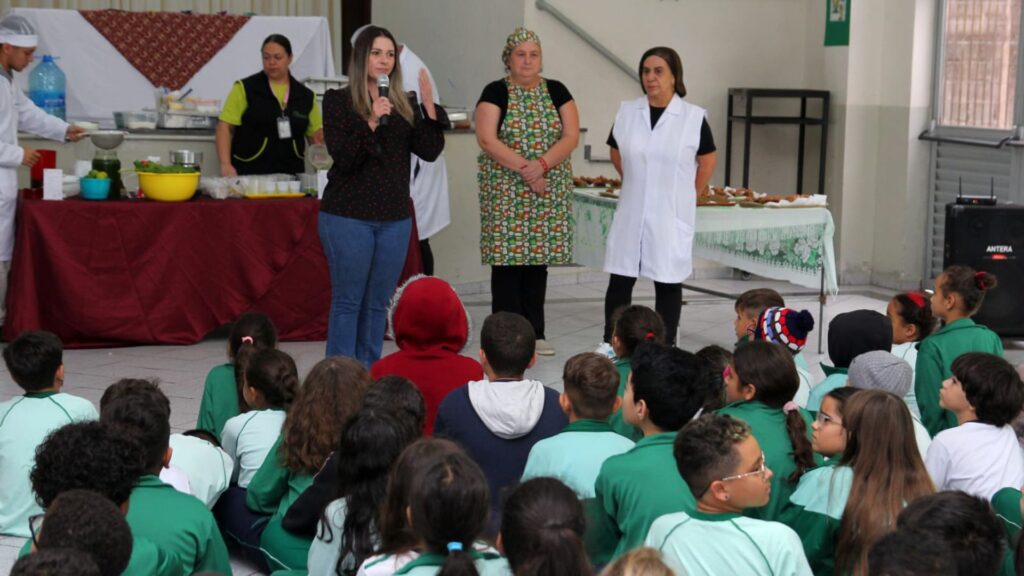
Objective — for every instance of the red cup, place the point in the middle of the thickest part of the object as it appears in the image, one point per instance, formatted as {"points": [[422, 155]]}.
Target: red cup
{"points": [[47, 159]]}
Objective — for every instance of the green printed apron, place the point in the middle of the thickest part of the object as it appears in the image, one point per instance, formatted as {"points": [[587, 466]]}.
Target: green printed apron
{"points": [[517, 226]]}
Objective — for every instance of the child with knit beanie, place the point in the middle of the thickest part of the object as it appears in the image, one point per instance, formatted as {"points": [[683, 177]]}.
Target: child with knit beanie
{"points": [[789, 328], [880, 370]]}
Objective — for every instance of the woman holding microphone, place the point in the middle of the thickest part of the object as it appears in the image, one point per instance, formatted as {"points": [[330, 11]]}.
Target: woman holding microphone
{"points": [[365, 216], [662, 147]]}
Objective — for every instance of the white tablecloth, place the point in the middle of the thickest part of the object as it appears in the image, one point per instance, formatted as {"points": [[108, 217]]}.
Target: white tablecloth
{"points": [[100, 81], [792, 244]]}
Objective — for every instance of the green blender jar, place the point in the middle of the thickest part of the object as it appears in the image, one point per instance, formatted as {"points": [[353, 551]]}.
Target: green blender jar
{"points": [[106, 160]]}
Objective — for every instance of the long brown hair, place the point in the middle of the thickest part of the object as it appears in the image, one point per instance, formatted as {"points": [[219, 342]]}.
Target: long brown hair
{"points": [[331, 394], [357, 76], [770, 369], [888, 474]]}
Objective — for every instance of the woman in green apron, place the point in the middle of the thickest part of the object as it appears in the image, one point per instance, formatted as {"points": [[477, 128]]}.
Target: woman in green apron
{"points": [[527, 127]]}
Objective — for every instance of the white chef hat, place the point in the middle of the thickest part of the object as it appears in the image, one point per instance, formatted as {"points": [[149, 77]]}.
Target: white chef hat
{"points": [[16, 30]]}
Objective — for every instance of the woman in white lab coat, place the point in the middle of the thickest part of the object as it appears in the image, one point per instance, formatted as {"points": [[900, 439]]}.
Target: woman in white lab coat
{"points": [[664, 151]]}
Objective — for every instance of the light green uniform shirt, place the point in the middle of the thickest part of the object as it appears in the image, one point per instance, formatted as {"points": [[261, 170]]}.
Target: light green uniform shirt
{"points": [[325, 551], [834, 378], [179, 525], [488, 563], [220, 400], [25, 421], [631, 492], [769, 427], [908, 352], [575, 456], [208, 468], [236, 104], [935, 355], [818, 504], [248, 438], [698, 544]]}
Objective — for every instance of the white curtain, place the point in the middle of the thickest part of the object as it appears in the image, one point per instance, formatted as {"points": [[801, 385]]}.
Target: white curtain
{"points": [[329, 9]]}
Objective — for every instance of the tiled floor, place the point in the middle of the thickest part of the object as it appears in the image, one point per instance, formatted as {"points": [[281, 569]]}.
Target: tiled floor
{"points": [[574, 324]]}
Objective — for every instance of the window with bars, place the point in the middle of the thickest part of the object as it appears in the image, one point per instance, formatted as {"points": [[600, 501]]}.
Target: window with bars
{"points": [[979, 67]]}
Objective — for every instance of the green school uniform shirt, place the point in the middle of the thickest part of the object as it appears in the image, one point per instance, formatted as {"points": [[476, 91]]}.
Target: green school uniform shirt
{"points": [[935, 355], [834, 378], [487, 562], [179, 525], [220, 400], [697, 544], [1006, 503], [575, 455], [818, 504], [617, 422], [25, 421], [272, 491], [146, 559], [769, 427], [631, 492]]}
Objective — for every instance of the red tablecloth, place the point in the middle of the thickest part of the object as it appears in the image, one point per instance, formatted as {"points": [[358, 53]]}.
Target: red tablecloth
{"points": [[135, 272]]}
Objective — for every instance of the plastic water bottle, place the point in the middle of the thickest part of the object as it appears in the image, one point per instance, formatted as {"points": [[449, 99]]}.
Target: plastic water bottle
{"points": [[46, 87]]}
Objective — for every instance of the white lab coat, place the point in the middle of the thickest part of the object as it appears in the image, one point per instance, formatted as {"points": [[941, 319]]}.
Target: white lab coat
{"points": [[429, 188], [652, 232], [17, 112]]}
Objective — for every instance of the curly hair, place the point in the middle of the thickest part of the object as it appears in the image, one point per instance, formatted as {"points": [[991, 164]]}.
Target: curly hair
{"points": [[705, 450], [56, 562], [86, 521], [332, 393], [90, 456]]}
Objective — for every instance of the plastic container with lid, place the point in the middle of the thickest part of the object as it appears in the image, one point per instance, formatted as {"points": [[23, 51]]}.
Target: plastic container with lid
{"points": [[46, 87]]}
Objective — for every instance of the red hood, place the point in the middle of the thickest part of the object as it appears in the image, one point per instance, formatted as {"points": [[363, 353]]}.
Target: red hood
{"points": [[426, 313]]}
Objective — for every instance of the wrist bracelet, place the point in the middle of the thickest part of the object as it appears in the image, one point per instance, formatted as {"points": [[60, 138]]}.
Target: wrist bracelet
{"points": [[543, 163]]}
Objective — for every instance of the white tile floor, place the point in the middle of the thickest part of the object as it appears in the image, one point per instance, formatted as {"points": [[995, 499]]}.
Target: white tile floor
{"points": [[574, 324]]}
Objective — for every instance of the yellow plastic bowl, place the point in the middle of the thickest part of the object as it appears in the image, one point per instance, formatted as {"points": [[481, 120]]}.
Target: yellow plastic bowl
{"points": [[168, 187]]}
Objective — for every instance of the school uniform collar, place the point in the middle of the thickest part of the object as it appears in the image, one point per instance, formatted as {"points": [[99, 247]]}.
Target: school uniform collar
{"points": [[621, 361], [833, 370], [40, 394], [151, 481], [588, 425], [656, 439], [957, 325], [752, 405], [434, 560], [720, 517]]}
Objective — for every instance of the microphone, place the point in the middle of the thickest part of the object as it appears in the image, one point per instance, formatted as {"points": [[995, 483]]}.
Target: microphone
{"points": [[383, 87]]}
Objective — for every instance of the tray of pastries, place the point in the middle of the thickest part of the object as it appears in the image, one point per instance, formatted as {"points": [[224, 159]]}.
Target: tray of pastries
{"points": [[596, 182]]}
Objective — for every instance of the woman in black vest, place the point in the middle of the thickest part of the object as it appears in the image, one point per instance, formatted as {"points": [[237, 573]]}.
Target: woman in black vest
{"points": [[267, 118]]}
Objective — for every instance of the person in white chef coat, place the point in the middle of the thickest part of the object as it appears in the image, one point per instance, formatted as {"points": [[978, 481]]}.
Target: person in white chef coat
{"points": [[662, 147], [18, 41], [428, 181]]}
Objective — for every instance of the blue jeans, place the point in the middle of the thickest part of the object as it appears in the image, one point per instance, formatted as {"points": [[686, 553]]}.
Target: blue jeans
{"points": [[365, 258]]}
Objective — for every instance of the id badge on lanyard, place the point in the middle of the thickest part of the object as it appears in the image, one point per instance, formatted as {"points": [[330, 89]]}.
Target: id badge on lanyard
{"points": [[284, 126]]}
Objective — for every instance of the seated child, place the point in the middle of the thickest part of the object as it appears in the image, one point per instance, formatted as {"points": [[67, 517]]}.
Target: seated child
{"points": [[444, 512], [96, 457], [431, 327], [759, 388], [959, 293], [542, 528], [86, 521], [639, 562], [749, 307], [347, 533], [35, 361], [222, 392], [394, 395], [715, 360], [56, 562], [878, 370], [981, 455], [963, 524], [178, 524], [842, 508], [576, 455], [789, 328], [498, 420], [912, 321], [198, 454], [723, 465], [667, 387], [632, 326], [905, 553], [850, 334], [327, 400], [269, 384]]}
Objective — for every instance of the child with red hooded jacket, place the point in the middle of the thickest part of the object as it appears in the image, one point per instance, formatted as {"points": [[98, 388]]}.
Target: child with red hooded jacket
{"points": [[431, 326]]}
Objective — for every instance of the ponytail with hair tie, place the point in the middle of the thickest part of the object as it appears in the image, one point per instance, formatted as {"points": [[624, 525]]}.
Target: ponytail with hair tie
{"points": [[247, 340], [917, 298], [649, 337], [980, 280]]}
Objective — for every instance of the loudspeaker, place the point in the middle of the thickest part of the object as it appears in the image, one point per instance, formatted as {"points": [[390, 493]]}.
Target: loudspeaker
{"points": [[991, 238]]}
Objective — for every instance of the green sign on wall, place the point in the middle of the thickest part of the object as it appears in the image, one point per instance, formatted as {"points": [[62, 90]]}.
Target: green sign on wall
{"points": [[837, 22]]}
